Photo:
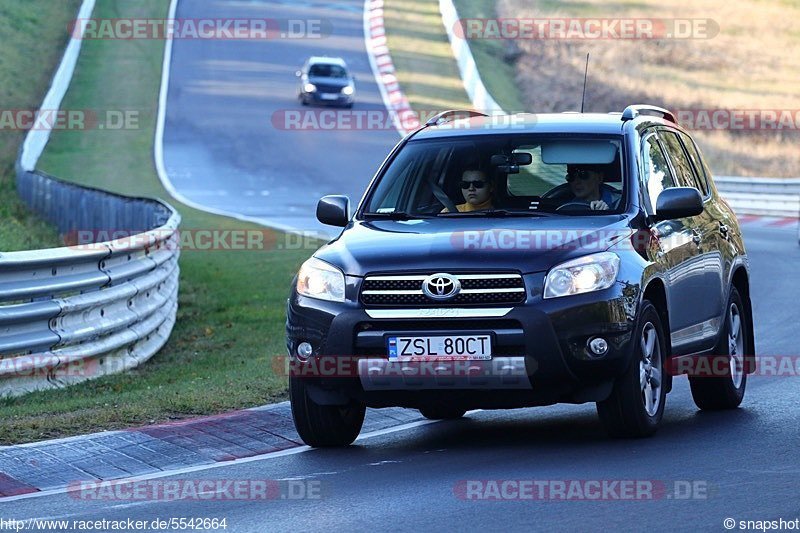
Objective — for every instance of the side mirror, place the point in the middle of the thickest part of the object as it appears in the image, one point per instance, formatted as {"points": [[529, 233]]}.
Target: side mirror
{"points": [[334, 210], [678, 202]]}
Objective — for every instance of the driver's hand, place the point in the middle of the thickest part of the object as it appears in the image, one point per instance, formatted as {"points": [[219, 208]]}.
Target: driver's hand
{"points": [[598, 205]]}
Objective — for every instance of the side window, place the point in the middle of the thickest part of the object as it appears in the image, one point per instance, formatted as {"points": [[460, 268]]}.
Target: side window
{"points": [[657, 175], [680, 161], [694, 155]]}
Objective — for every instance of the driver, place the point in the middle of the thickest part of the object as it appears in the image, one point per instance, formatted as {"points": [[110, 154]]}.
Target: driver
{"points": [[585, 182], [478, 191]]}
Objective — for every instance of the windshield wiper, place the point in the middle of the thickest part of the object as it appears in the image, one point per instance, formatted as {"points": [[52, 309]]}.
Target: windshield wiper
{"points": [[499, 213], [395, 215]]}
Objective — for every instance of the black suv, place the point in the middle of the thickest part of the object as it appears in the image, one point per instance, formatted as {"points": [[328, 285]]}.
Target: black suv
{"points": [[520, 261]]}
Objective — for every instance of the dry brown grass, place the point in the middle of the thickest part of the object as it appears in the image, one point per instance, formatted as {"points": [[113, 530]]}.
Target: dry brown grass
{"points": [[753, 63]]}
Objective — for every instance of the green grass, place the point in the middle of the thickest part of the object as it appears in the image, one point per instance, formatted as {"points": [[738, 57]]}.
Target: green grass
{"points": [[33, 34], [232, 303], [498, 75], [423, 58]]}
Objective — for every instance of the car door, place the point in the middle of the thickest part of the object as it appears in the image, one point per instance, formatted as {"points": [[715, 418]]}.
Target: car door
{"points": [[708, 264], [678, 249]]}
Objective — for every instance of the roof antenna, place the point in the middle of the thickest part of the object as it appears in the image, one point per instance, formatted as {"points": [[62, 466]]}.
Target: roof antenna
{"points": [[585, 72]]}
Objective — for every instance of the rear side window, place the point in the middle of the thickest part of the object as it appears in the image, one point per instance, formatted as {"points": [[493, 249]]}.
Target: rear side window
{"points": [[656, 170], [680, 162], [694, 155]]}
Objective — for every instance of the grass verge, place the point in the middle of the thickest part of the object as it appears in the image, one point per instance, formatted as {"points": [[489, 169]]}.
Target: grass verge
{"points": [[232, 303], [423, 58], [33, 34]]}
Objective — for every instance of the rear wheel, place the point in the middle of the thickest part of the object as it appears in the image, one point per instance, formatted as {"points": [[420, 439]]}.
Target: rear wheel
{"points": [[636, 404], [726, 391], [323, 425]]}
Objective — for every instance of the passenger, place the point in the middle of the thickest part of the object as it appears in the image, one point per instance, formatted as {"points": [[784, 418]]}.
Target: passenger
{"points": [[586, 184], [478, 191]]}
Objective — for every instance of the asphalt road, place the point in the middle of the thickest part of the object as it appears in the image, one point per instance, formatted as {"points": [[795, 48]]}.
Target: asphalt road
{"points": [[226, 142], [744, 463]]}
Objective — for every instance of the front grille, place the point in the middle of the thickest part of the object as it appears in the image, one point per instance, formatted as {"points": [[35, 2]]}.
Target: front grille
{"points": [[321, 87], [476, 289]]}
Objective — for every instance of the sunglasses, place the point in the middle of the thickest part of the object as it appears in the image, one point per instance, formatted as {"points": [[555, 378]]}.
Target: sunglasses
{"points": [[478, 184], [582, 174]]}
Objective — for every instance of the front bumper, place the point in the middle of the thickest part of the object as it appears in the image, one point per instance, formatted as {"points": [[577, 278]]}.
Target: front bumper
{"points": [[321, 98], [540, 353]]}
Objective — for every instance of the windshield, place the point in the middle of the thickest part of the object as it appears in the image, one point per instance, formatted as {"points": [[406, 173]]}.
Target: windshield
{"points": [[323, 70], [502, 174]]}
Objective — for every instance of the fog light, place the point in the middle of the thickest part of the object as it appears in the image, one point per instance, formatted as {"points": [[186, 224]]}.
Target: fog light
{"points": [[304, 350], [598, 346]]}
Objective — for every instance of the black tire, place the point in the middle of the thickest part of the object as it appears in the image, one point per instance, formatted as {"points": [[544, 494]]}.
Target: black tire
{"points": [[726, 392], [625, 412], [323, 425], [441, 412]]}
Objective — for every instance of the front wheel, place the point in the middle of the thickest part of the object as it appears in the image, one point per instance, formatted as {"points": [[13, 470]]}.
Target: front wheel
{"points": [[636, 404], [323, 425], [726, 391]]}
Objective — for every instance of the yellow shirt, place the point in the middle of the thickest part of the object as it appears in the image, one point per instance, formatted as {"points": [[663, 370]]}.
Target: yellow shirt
{"points": [[467, 207]]}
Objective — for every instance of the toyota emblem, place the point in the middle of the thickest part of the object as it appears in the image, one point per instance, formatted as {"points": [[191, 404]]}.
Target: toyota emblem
{"points": [[441, 286]]}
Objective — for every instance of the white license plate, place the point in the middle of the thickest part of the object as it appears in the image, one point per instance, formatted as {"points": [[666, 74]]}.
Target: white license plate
{"points": [[327, 96], [458, 347]]}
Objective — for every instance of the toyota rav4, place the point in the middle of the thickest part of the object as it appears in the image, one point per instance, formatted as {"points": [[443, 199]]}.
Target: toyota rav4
{"points": [[528, 261]]}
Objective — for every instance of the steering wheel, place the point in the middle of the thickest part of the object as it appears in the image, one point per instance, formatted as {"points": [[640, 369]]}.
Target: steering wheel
{"points": [[573, 206]]}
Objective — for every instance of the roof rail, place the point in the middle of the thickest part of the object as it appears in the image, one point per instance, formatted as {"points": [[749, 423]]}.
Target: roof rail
{"points": [[453, 114], [633, 111]]}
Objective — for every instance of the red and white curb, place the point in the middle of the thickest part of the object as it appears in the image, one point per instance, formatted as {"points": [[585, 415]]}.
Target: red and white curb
{"points": [[396, 102], [768, 222]]}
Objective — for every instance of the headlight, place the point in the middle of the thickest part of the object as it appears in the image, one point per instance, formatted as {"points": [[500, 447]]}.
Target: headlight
{"points": [[309, 87], [586, 274], [318, 279], [348, 90]]}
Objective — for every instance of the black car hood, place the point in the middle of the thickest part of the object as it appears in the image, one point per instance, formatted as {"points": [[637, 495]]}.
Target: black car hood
{"points": [[523, 244]]}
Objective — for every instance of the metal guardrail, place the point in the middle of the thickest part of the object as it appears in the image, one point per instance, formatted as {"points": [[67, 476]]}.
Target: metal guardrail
{"points": [[778, 197], [84, 311]]}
